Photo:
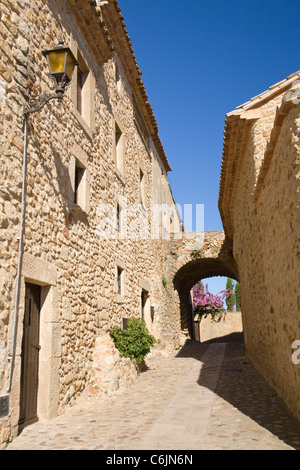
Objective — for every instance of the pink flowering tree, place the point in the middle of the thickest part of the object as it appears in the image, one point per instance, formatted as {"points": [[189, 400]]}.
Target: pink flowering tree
{"points": [[206, 303]]}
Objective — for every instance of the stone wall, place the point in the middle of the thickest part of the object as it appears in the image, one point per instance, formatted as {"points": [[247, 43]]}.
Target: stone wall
{"points": [[227, 329], [65, 251], [266, 217]]}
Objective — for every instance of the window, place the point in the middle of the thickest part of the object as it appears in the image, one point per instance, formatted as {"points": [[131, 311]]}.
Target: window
{"points": [[120, 280], [78, 189], [119, 148], [81, 91], [142, 188], [79, 175], [119, 219]]}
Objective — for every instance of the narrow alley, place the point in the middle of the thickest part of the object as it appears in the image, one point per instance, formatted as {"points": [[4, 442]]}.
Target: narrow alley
{"points": [[207, 397]]}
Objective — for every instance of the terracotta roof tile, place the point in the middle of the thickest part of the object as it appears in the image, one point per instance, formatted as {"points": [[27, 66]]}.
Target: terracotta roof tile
{"points": [[237, 121]]}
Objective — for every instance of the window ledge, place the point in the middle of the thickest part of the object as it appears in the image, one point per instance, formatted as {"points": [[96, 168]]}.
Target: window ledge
{"points": [[120, 299], [120, 236], [120, 176], [77, 211]]}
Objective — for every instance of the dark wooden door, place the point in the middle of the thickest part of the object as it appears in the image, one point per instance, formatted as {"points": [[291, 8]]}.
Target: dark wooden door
{"points": [[30, 356]]}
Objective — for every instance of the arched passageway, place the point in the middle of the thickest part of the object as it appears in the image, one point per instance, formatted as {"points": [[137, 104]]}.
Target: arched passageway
{"points": [[188, 259], [191, 273]]}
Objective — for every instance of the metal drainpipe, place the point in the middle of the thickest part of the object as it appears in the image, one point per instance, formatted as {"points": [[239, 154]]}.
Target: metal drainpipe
{"points": [[21, 236]]}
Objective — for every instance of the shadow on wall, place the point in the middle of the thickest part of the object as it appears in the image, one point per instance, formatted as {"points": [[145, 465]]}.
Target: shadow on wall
{"points": [[231, 338], [241, 386]]}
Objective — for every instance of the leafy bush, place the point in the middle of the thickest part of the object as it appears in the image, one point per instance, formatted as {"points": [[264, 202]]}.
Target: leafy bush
{"points": [[135, 342]]}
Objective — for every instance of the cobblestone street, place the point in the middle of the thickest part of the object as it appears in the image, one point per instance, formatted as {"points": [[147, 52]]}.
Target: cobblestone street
{"points": [[207, 397]]}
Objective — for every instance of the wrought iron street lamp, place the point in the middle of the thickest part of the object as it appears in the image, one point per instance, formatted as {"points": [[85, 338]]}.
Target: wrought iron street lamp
{"points": [[61, 63]]}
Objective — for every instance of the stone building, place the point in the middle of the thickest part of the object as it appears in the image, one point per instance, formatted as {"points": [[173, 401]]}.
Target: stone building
{"points": [[259, 205], [98, 209], [96, 167]]}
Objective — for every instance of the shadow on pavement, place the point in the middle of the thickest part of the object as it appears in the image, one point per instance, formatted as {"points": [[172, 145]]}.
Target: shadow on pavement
{"points": [[243, 387], [232, 338]]}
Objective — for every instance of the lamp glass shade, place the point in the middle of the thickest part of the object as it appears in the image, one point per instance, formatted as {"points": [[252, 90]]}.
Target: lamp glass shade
{"points": [[61, 63], [56, 60], [70, 65]]}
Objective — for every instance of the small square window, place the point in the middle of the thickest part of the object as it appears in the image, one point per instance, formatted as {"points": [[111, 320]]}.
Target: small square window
{"points": [[120, 272], [78, 184], [142, 189], [79, 176], [119, 219], [119, 148], [81, 90]]}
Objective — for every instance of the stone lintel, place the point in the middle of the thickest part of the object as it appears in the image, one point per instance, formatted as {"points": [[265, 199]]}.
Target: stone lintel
{"points": [[145, 285], [38, 270]]}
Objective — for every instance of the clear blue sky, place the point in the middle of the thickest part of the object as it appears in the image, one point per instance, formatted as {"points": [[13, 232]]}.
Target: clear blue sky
{"points": [[200, 60]]}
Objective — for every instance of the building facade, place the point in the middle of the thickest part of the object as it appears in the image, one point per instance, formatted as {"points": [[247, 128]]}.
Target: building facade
{"points": [[98, 212], [259, 205], [96, 177]]}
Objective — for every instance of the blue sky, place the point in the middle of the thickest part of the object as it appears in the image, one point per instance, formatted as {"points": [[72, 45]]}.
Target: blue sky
{"points": [[200, 60]]}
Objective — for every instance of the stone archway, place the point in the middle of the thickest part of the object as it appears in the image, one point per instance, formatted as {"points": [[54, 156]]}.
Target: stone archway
{"points": [[188, 276], [194, 257]]}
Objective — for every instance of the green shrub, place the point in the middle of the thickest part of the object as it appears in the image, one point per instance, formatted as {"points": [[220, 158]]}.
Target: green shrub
{"points": [[135, 342]]}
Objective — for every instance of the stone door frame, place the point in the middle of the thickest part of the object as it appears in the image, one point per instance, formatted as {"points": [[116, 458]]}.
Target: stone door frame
{"points": [[44, 274]]}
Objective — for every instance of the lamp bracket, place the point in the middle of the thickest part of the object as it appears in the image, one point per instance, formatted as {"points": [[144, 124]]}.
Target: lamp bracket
{"points": [[36, 104]]}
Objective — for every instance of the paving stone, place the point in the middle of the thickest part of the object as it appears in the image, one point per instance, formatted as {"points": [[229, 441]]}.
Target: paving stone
{"points": [[207, 397]]}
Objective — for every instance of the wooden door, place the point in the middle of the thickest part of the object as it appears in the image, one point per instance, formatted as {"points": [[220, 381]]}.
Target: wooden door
{"points": [[30, 356]]}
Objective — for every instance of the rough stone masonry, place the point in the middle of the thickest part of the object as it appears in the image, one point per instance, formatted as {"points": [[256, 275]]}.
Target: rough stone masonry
{"points": [[98, 153], [99, 158]]}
